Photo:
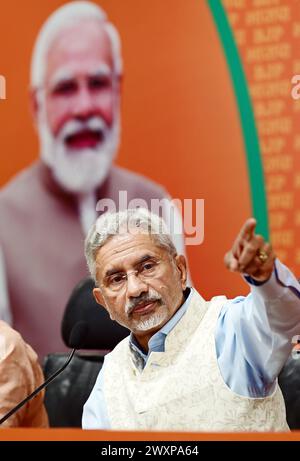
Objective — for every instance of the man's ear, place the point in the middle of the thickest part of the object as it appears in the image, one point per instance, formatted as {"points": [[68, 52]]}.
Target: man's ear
{"points": [[118, 90], [101, 300], [34, 104], [98, 297], [120, 82], [181, 266]]}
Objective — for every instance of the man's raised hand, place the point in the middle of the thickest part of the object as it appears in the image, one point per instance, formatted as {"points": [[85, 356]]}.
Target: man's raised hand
{"points": [[251, 254]]}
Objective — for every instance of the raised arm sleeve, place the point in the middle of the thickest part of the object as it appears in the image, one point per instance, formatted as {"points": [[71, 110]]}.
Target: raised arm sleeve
{"points": [[255, 333]]}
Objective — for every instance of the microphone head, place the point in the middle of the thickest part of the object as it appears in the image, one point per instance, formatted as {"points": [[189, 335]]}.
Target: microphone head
{"points": [[77, 335]]}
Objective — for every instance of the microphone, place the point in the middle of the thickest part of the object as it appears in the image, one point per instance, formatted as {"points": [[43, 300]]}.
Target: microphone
{"points": [[78, 332]]}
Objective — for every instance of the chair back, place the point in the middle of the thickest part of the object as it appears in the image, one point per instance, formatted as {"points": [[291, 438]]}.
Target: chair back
{"points": [[66, 395]]}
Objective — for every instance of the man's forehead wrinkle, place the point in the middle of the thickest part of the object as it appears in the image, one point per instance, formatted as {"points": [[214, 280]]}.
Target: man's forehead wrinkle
{"points": [[66, 73], [127, 248], [79, 36], [137, 260], [124, 248], [79, 41]]}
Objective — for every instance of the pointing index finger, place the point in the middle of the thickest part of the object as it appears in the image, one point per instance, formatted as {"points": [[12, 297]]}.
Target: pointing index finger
{"points": [[247, 231]]}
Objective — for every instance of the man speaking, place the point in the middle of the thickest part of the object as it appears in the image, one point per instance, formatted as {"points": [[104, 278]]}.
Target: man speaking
{"points": [[188, 364]]}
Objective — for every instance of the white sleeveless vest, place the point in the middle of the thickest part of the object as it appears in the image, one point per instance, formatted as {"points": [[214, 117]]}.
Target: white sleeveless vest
{"points": [[182, 388]]}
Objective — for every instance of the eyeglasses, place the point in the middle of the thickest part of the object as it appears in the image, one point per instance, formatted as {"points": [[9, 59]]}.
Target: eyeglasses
{"points": [[145, 272]]}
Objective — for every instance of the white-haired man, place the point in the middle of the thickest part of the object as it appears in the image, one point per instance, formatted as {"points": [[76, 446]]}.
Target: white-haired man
{"points": [[188, 364], [47, 209]]}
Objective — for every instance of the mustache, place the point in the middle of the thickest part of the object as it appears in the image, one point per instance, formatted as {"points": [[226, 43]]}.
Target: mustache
{"points": [[142, 299], [73, 127]]}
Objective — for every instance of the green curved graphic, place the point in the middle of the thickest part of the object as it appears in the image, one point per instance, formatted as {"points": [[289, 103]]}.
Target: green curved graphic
{"points": [[254, 162]]}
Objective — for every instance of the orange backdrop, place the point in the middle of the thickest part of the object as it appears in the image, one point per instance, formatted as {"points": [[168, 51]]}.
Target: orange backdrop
{"points": [[180, 123]]}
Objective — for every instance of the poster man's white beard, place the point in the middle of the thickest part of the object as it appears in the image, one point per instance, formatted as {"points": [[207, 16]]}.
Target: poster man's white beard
{"points": [[79, 171]]}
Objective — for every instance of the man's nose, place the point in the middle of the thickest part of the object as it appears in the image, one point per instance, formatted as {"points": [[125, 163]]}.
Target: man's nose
{"points": [[83, 103], [135, 286]]}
